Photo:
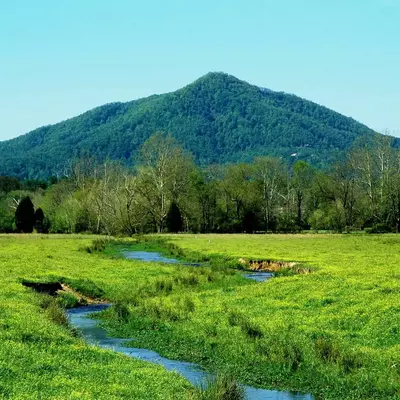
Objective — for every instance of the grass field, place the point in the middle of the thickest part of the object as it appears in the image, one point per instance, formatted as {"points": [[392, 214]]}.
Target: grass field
{"points": [[334, 332], [41, 359]]}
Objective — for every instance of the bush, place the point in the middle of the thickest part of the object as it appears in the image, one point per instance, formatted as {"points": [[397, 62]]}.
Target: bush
{"points": [[163, 285], [223, 387], [379, 228], [68, 300], [25, 216], [174, 219], [97, 246], [121, 311]]}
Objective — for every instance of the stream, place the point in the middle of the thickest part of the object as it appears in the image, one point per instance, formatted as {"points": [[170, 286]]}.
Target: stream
{"points": [[151, 256], [96, 335]]}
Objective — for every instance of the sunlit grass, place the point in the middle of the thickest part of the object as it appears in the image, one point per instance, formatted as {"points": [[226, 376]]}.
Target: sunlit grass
{"points": [[334, 332], [40, 357]]}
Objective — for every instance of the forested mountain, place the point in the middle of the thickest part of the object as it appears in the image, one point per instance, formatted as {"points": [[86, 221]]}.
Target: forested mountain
{"points": [[218, 118]]}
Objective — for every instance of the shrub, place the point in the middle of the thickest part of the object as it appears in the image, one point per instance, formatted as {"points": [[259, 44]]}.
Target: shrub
{"points": [[223, 387], [121, 311], [174, 219], [379, 228], [97, 246], [25, 216], [68, 300], [163, 285]]}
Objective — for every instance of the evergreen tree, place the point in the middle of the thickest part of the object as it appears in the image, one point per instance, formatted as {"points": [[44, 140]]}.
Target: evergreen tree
{"points": [[39, 220], [25, 215], [174, 219]]}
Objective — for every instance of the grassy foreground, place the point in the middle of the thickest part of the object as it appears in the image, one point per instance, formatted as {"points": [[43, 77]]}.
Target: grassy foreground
{"points": [[334, 332], [41, 359]]}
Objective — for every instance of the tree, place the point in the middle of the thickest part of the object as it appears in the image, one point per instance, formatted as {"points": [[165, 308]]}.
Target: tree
{"points": [[237, 193], [270, 178], [302, 178], [163, 176], [39, 220], [114, 200], [25, 216], [174, 219]]}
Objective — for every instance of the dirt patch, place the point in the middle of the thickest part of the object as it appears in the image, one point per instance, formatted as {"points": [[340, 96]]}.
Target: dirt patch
{"points": [[56, 289], [82, 298], [274, 266]]}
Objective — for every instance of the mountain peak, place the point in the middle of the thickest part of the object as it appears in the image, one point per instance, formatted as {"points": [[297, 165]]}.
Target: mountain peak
{"points": [[219, 118], [218, 77]]}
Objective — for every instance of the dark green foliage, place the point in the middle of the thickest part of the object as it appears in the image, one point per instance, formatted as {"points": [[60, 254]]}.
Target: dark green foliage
{"points": [[249, 221], [174, 219], [121, 311], [218, 118], [25, 216], [380, 228], [8, 184], [98, 245], [68, 300], [222, 387], [39, 221]]}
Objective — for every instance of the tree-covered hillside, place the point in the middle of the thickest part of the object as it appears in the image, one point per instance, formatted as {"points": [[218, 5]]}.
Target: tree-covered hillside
{"points": [[218, 118]]}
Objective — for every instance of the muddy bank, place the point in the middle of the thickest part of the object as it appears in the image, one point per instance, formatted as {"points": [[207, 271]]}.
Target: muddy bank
{"points": [[274, 266]]}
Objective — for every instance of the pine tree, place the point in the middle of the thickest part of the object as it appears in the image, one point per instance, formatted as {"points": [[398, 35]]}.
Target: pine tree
{"points": [[174, 219], [39, 220], [25, 215]]}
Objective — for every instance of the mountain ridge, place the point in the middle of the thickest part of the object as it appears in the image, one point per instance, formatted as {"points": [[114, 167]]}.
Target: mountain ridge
{"points": [[218, 117]]}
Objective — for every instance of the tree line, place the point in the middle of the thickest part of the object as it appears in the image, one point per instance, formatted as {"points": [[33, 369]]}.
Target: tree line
{"points": [[167, 192]]}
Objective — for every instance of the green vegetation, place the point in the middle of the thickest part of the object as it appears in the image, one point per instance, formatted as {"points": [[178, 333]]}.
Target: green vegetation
{"points": [[25, 216], [333, 332], [218, 118], [40, 356], [167, 192], [223, 387]]}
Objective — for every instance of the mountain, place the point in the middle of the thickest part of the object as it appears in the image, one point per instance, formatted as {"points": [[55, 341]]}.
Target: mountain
{"points": [[219, 118]]}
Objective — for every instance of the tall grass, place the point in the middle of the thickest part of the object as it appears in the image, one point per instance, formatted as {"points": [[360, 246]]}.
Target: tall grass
{"points": [[222, 387]]}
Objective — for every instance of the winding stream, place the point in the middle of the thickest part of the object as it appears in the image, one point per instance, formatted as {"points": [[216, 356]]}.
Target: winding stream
{"points": [[96, 335], [151, 256]]}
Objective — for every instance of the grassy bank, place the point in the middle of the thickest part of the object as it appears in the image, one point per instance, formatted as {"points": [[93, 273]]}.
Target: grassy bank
{"points": [[334, 332], [40, 356]]}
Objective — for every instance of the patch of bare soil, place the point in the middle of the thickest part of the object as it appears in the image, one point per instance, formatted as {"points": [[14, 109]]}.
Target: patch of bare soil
{"points": [[57, 288], [82, 298], [274, 266]]}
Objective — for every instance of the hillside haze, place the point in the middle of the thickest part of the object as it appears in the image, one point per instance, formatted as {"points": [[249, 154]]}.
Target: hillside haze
{"points": [[218, 118]]}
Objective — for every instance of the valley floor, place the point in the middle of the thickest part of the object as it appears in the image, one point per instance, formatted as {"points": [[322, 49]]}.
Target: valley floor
{"points": [[334, 332]]}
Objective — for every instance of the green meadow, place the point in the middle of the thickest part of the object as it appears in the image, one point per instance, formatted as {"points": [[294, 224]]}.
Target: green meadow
{"points": [[334, 333], [40, 356]]}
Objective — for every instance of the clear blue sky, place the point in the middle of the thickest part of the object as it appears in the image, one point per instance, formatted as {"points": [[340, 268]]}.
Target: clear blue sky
{"points": [[59, 58]]}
